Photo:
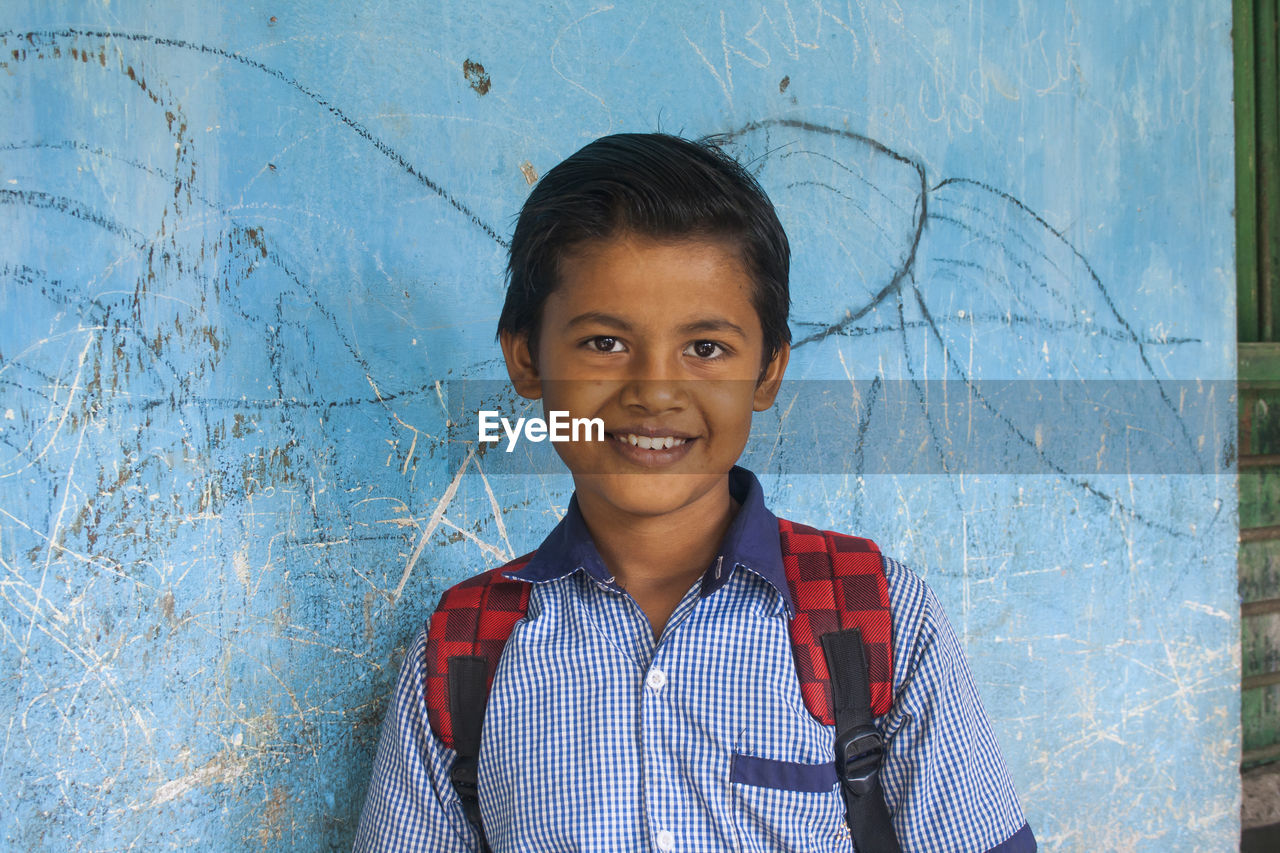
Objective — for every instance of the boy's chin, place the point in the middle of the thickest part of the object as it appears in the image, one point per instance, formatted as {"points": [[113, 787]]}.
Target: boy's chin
{"points": [[651, 494]]}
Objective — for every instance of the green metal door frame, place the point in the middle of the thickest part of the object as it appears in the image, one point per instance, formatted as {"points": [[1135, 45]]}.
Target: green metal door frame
{"points": [[1256, 29]]}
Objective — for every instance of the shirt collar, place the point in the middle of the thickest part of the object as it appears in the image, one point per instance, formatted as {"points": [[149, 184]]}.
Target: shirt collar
{"points": [[751, 542]]}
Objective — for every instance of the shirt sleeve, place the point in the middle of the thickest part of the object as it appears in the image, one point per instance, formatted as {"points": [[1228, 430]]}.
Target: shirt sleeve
{"points": [[944, 780], [411, 804]]}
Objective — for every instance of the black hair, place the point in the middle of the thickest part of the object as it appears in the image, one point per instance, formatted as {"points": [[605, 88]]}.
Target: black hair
{"points": [[654, 185]]}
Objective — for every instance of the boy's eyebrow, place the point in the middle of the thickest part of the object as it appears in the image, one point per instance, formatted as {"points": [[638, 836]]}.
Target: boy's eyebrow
{"points": [[600, 318], [712, 324], [708, 324]]}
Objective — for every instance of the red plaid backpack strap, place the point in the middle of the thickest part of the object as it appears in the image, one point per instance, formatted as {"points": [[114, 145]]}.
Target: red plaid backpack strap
{"points": [[837, 582], [473, 618]]}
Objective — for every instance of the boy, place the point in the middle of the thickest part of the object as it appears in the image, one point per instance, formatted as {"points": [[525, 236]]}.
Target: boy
{"points": [[648, 697]]}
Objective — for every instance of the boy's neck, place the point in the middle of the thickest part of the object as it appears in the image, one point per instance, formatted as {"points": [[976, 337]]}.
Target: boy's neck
{"points": [[658, 558]]}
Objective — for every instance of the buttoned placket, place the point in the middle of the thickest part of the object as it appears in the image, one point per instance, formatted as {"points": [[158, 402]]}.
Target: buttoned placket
{"points": [[659, 797]]}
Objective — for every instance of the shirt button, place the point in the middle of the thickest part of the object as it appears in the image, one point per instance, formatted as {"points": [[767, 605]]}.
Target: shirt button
{"points": [[656, 679], [666, 841]]}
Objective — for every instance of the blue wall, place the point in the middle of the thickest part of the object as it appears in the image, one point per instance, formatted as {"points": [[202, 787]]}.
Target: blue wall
{"points": [[250, 253]]}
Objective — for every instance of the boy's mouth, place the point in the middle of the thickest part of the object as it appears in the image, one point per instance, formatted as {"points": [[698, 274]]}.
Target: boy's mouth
{"points": [[654, 447], [649, 442]]}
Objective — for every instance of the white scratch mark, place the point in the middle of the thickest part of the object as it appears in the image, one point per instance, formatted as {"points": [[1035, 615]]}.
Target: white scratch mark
{"points": [[443, 406], [1205, 608], [492, 550], [408, 457], [728, 95], [555, 63], [240, 564], [432, 524], [62, 508], [57, 385], [219, 770], [497, 516]]}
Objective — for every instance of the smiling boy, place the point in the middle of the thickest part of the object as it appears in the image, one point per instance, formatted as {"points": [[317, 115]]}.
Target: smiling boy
{"points": [[648, 694], [660, 339]]}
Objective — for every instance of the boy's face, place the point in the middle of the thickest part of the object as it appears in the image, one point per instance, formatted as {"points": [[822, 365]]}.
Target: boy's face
{"points": [[661, 341]]}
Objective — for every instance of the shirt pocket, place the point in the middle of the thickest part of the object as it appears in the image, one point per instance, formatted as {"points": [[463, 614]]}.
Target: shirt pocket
{"points": [[787, 805]]}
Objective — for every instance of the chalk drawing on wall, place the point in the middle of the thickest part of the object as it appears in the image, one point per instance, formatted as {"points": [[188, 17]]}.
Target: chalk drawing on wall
{"points": [[934, 268]]}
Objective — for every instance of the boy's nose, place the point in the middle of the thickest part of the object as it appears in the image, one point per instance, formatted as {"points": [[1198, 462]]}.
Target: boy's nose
{"points": [[654, 385]]}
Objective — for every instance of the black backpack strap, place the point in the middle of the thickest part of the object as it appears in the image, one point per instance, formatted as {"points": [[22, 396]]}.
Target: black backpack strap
{"points": [[468, 696], [859, 747]]}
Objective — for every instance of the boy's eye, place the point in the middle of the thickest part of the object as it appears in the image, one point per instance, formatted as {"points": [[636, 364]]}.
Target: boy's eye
{"points": [[706, 349], [604, 343]]}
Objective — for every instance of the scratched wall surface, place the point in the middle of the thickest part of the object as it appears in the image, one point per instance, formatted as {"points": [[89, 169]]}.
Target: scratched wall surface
{"points": [[251, 249]]}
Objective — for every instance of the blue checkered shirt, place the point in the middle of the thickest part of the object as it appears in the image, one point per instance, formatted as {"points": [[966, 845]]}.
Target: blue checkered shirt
{"points": [[599, 737]]}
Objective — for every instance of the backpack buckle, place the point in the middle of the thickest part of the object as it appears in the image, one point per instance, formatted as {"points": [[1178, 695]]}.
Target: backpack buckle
{"points": [[465, 777], [858, 755]]}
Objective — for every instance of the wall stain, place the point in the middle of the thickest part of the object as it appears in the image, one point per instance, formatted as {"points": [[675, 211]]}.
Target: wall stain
{"points": [[274, 814], [476, 76]]}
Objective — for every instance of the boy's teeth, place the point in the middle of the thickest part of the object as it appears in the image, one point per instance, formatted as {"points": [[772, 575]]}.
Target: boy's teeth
{"points": [[646, 442]]}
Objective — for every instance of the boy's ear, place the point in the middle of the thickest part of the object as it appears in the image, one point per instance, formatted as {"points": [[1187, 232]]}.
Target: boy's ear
{"points": [[520, 364], [771, 379]]}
